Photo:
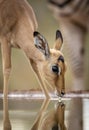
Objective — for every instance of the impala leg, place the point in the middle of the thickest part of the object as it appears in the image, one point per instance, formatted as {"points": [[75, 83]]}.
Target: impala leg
{"points": [[45, 103], [6, 59], [26, 49], [36, 125], [44, 89]]}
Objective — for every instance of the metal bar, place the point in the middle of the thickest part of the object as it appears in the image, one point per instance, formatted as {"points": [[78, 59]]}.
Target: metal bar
{"points": [[39, 95]]}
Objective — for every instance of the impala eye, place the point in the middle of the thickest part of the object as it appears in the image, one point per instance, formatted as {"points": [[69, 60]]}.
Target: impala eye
{"points": [[55, 69]]}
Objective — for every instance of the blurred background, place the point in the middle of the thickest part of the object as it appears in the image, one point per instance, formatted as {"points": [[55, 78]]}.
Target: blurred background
{"points": [[22, 77]]}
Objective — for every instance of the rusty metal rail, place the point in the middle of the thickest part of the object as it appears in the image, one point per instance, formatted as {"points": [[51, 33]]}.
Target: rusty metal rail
{"points": [[39, 95]]}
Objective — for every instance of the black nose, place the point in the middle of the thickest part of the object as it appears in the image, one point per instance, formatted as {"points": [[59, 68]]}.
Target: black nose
{"points": [[55, 69], [62, 93]]}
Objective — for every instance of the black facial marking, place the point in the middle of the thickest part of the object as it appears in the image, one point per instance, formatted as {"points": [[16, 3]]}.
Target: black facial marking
{"points": [[61, 58]]}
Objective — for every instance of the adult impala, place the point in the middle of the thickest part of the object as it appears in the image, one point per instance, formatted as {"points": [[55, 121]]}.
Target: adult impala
{"points": [[18, 27]]}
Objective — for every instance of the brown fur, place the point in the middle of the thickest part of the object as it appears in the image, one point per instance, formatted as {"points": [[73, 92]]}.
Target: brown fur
{"points": [[51, 120], [17, 24]]}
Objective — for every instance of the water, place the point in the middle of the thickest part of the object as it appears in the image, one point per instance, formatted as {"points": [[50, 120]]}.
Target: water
{"points": [[25, 108]]}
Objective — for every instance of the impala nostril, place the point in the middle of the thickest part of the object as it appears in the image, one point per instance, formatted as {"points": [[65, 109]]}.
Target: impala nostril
{"points": [[62, 93]]}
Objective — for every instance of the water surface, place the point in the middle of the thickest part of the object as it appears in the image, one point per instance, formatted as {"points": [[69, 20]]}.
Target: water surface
{"points": [[24, 109]]}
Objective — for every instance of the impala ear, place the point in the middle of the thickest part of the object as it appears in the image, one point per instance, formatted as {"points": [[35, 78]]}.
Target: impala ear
{"points": [[41, 43], [59, 40]]}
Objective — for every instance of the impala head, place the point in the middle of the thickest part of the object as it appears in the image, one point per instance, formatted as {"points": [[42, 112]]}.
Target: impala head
{"points": [[52, 67]]}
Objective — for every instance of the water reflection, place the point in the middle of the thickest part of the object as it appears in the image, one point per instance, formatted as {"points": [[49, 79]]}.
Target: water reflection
{"points": [[39, 114], [52, 119], [35, 114]]}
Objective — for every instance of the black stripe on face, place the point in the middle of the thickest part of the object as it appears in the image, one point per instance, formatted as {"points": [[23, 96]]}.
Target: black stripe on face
{"points": [[61, 58], [60, 5]]}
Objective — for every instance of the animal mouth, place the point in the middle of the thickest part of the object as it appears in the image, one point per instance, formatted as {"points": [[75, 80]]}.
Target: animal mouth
{"points": [[60, 94]]}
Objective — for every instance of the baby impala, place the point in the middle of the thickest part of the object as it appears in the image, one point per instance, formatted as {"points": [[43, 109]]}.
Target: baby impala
{"points": [[18, 27], [51, 68]]}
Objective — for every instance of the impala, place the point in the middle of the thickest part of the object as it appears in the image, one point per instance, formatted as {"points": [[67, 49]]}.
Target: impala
{"points": [[18, 27]]}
